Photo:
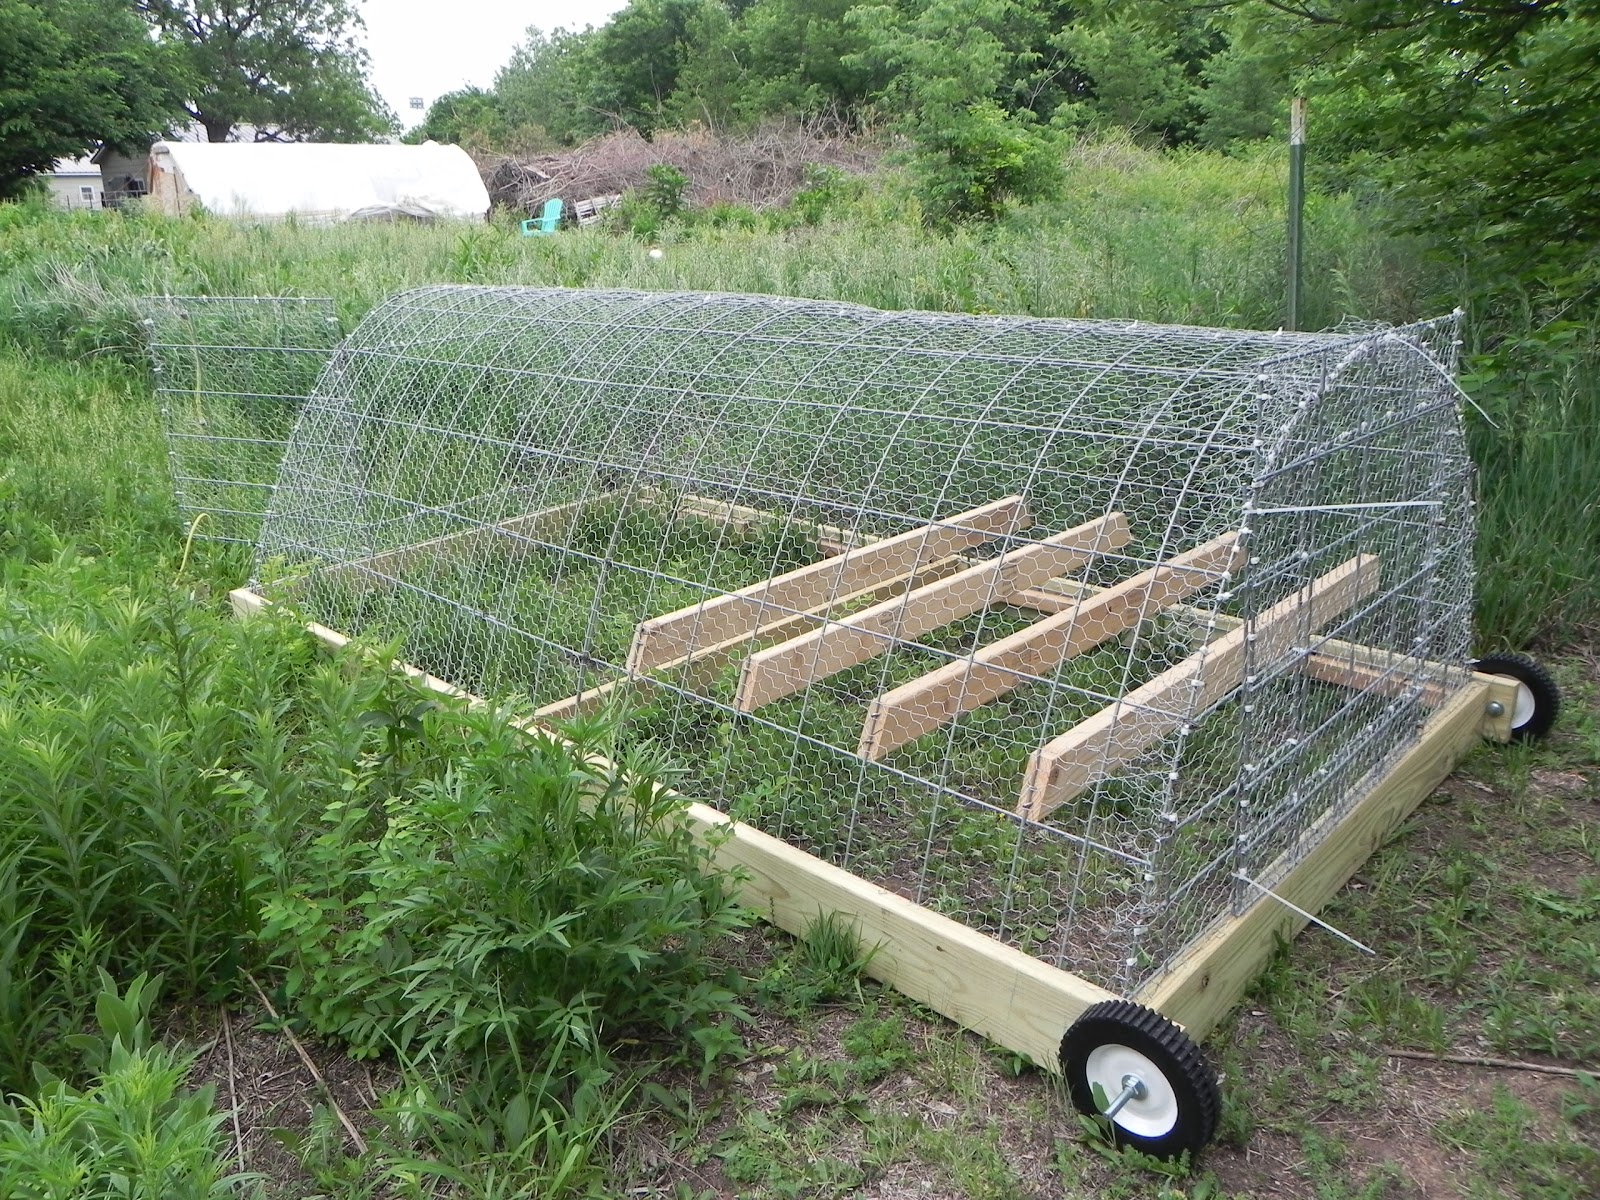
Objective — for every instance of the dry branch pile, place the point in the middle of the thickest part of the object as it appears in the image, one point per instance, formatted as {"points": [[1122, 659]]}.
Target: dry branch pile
{"points": [[760, 170]]}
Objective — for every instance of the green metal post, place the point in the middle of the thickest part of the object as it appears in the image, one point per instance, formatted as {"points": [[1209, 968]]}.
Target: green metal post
{"points": [[1297, 202]]}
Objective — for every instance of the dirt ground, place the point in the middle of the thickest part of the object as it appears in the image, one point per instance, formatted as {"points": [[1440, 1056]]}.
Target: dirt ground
{"points": [[1484, 910]]}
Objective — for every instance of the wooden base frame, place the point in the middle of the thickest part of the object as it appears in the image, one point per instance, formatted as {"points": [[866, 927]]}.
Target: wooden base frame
{"points": [[1010, 997]]}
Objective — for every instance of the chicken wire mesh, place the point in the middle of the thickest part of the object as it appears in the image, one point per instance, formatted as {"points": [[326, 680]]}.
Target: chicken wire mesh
{"points": [[231, 373], [1080, 632]]}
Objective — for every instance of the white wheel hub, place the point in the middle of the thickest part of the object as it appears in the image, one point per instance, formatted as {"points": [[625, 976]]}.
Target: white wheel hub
{"points": [[1152, 1115], [1522, 710]]}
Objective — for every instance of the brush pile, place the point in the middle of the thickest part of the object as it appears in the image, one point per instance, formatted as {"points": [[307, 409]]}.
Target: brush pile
{"points": [[761, 169]]}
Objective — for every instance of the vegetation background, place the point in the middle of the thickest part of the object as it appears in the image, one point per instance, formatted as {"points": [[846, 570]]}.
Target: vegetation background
{"points": [[217, 805]]}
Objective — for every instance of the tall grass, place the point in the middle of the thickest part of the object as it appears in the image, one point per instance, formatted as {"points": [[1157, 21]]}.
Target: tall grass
{"points": [[1193, 237], [1537, 446], [188, 794]]}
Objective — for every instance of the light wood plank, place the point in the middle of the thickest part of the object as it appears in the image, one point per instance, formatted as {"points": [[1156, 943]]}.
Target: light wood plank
{"points": [[701, 668], [380, 568], [721, 618], [1066, 766], [1010, 997], [939, 697], [831, 539], [1205, 983], [1347, 664], [839, 645]]}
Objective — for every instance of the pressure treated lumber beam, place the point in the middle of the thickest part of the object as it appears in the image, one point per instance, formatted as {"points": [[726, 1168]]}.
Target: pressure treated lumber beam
{"points": [[702, 667], [839, 645], [831, 539], [939, 697], [996, 990], [1093, 749], [1207, 981], [721, 618], [387, 565]]}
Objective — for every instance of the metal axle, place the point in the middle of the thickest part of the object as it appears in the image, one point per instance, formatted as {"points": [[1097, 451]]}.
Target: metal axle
{"points": [[1133, 1088]]}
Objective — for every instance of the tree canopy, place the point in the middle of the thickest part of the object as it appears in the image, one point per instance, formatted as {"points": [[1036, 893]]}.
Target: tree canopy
{"points": [[75, 73], [293, 70]]}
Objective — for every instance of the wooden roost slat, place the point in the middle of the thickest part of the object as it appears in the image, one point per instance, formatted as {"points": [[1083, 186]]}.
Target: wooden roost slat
{"points": [[1120, 732], [939, 697], [839, 645], [721, 618], [533, 526], [831, 539], [702, 667]]}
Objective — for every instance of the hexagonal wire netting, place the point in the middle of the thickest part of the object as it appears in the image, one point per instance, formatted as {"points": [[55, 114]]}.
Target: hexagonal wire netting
{"points": [[1082, 632], [232, 373]]}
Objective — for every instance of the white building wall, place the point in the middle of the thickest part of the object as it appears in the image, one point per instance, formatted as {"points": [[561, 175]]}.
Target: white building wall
{"points": [[74, 185]]}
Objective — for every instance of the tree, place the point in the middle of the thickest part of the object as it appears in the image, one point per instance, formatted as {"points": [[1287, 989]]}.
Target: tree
{"points": [[639, 54], [1133, 77], [949, 62], [470, 117], [547, 86], [292, 69], [75, 73], [1245, 97], [805, 56]]}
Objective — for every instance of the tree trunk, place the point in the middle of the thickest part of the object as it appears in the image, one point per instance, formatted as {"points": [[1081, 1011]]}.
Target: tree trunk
{"points": [[217, 128]]}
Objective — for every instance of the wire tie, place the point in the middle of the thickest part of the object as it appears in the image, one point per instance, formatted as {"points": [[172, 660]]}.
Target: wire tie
{"points": [[1312, 917]]}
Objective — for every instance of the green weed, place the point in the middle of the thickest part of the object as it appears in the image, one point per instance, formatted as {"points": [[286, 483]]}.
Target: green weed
{"points": [[134, 1131], [506, 903]]}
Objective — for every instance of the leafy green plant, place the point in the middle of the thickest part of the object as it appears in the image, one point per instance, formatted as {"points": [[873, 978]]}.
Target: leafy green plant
{"points": [[135, 1131], [827, 193], [826, 964], [517, 903], [666, 190], [644, 211]]}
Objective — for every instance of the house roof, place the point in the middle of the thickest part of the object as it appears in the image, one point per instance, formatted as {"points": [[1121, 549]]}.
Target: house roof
{"points": [[326, 179], [66, 167]]}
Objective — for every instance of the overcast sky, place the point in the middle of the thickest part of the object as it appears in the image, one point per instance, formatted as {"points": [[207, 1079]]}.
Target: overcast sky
{"points": [[428, 47]]}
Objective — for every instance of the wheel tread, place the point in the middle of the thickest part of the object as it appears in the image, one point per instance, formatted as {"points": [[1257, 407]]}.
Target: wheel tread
{"points": [[1113, 1019], [1532, 673]]}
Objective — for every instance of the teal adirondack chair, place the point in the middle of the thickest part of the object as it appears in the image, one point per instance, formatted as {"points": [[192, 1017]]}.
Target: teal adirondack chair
{"points": [[546, 222]]}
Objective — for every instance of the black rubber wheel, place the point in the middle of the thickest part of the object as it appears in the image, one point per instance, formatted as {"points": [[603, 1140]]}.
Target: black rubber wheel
{"points": [[1117, 1039], [1538, 698]]}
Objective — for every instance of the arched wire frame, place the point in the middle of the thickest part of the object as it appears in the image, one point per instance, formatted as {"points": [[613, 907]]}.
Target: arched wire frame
{"points": [[1078, 631], [232, 373]]}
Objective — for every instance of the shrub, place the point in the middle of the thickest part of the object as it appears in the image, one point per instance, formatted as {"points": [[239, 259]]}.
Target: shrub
{"points": [[519, 905]]}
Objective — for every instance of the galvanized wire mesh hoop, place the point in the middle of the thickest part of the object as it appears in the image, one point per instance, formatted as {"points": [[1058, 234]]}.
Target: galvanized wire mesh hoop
{"points": [[1081, 632], [232, 372]]}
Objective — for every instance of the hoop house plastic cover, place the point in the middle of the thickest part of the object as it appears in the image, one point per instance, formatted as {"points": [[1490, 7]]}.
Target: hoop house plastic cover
{"points": [[1078, 631]]}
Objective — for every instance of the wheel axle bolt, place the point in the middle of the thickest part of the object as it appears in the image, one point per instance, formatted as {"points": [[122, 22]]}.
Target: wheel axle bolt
{"points": [[1495, 709], [1132, 1089]]}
